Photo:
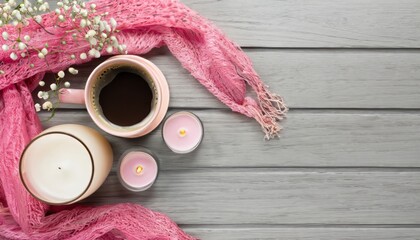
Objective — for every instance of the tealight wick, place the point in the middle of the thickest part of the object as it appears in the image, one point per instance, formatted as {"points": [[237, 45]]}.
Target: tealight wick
{"points": [[182, 132], [139, 169]]}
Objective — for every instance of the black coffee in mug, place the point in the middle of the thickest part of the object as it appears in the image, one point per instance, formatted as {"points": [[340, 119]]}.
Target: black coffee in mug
{"points": [[127, 99], [126, 96]]}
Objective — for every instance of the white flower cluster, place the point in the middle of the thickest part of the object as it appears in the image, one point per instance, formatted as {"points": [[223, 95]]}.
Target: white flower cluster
{"points": [[19, 13], [87, 25], [54, 90], [94, 28]]}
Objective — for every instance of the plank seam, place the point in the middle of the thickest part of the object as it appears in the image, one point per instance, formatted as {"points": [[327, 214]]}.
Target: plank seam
{"points": [[277, 169], [390, 49], [297, 110], [304, 225]]}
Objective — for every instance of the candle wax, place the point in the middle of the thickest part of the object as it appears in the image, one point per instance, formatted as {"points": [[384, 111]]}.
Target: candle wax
{"points": [[56, 168], [138, 169], [182, 132]]}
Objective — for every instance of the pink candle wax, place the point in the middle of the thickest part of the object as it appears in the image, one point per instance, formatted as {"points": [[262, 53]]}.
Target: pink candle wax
{"points": [[137, 170], [182, 132]]}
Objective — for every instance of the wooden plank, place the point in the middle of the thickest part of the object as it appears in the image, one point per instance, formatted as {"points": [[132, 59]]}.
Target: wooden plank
{"points": [[309, 139], [300, 233], [276, 196], [316, 23], [307, 78]]}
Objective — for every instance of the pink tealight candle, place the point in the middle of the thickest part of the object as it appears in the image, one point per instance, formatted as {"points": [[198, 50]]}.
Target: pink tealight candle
{"points": [[137, 170], [182, 132]]}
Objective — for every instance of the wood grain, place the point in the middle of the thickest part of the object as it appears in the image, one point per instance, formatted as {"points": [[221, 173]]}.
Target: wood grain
{"points": [[276, 196], [309, 139], [334, 174], [316, 23], [307, 78], [302, 233]]}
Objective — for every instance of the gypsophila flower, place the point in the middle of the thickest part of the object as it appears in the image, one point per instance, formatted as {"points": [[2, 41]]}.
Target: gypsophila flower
{"points": [[83, 56], [27, 38], [93, 41], [5, 36], [21, 46], [40, 93], [61, 74], [97, 54], [47, 105], [44, 51], [53, 86], [73, 71], [84, 12], [121, 48], [45, 95], [17, 15], [13, 56], [107, 27], [5, 47], [41, 55], [101, 26], [97, 20], [92, 52], [37, 107], [90, 33], [113, 23], [41, 83], [38, 19], [72, 56], [66, 84]]}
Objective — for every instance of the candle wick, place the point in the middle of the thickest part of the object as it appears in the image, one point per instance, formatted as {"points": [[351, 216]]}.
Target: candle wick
{"points": [[59, 168], [182, 132], [139, 169]]}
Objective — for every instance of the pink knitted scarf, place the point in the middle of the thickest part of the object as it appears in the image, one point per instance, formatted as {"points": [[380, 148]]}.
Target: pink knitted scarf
{"points": [[215, 61]]}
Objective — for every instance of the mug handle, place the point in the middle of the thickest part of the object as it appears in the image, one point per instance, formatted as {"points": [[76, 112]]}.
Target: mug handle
{"points": [[73, 96]]}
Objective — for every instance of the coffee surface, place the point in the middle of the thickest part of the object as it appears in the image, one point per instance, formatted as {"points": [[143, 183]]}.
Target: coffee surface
{"points": [[126, 100]]}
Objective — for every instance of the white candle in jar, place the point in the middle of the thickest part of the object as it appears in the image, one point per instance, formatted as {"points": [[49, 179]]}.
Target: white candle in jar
{"points": [[65, 164]]}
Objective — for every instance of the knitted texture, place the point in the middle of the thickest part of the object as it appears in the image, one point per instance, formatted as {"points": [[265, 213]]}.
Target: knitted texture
{"points": [[215, 61]]}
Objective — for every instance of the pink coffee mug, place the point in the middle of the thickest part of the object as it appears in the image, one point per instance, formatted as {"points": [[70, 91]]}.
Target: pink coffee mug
{"points": [[99, 79]]}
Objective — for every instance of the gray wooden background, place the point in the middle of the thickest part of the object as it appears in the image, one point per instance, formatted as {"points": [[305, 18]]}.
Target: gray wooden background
{"points": [[347, 165]]}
